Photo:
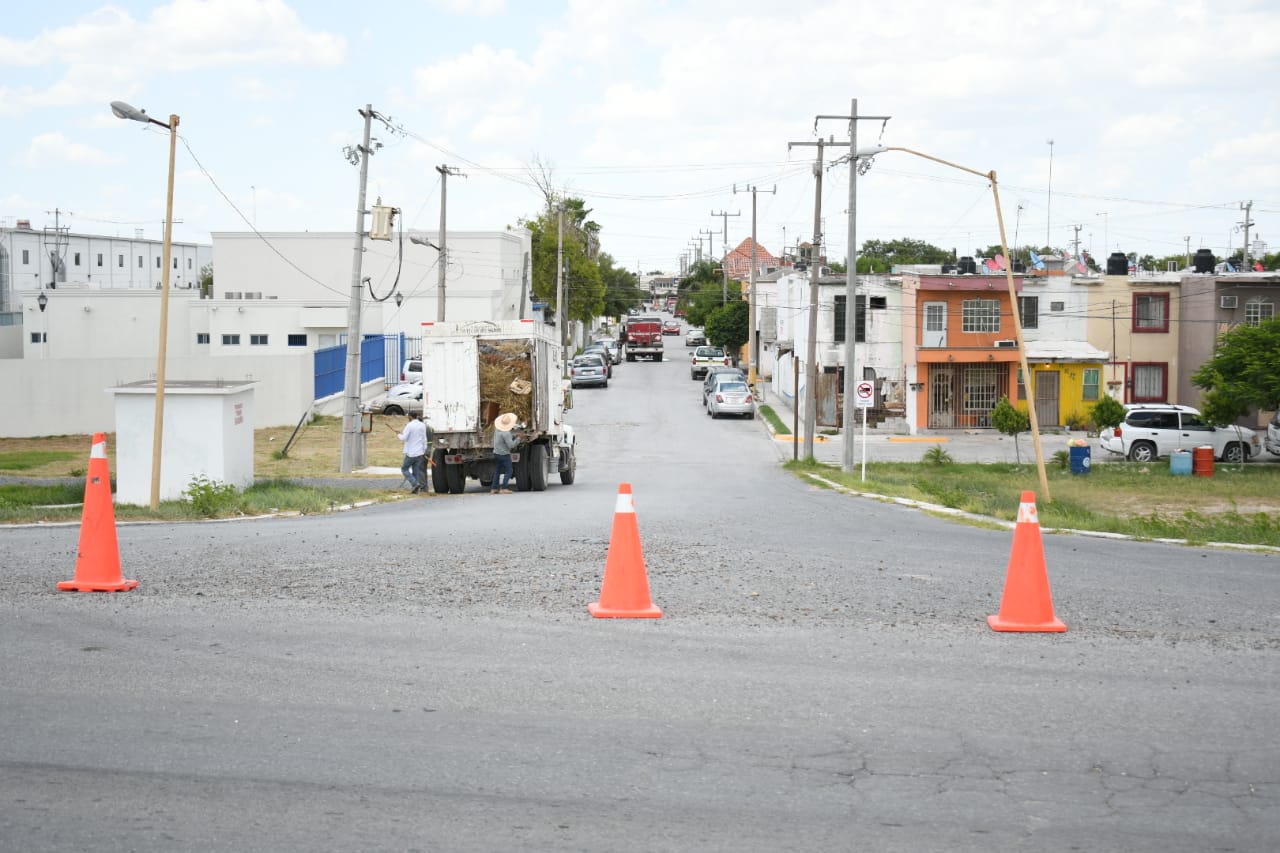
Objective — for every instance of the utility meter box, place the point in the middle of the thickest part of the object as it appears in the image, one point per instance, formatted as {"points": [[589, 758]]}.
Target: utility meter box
{"points": [[207, 431], [384, 218]]}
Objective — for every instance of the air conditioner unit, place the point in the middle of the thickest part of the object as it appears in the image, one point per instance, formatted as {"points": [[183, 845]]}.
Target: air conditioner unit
{"points": [[1228, 301], [1006, 344], [231, 294]]}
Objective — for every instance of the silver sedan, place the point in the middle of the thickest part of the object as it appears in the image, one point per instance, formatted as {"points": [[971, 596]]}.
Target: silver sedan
{"points": [[731, 396]]}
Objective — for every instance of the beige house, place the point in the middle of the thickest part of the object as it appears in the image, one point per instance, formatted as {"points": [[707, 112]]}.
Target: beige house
{"points": [[1136, 319]]}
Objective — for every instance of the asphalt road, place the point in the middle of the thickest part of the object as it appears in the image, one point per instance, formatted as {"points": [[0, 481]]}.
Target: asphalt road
{"points": [[424, 675]]}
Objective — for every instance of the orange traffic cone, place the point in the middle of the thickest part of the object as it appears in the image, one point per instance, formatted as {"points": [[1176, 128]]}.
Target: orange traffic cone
{"points": [[1027, 605], [98, 560], [625, 594]]}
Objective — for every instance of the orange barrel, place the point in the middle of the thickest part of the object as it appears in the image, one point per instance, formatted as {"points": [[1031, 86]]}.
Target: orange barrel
{"points": [[1202, 461]]}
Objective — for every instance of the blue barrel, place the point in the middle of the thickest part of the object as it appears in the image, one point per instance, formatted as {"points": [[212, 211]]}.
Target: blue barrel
{"points": [[1180, 463], [1080, 460]]}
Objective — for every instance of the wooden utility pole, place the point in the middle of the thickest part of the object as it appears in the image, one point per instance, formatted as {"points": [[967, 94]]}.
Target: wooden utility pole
{"points": [[724, 243]]}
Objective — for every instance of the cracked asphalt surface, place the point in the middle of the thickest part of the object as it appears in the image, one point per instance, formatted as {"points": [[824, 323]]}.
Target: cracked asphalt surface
{"points": [[424, 675]]}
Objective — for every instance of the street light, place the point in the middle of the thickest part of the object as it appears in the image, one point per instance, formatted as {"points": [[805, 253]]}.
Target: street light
{"points": [[868, 153], [125, 111]]}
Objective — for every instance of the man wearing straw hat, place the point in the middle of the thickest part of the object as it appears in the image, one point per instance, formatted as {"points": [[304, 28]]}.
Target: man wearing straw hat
{"points": [[505, 440]]}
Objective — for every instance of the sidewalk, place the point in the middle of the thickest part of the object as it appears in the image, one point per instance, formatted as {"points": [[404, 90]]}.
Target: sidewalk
{"points": [[885, 446]]}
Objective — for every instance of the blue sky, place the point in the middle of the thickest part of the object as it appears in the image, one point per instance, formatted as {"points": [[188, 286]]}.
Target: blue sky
{"points": [[1163, 115]]}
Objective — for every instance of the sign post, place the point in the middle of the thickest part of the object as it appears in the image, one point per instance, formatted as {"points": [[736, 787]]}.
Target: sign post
{"points": [[864, 396]]}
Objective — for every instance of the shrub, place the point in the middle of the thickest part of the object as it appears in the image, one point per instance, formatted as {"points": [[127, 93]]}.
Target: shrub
{"points": [[937, 456], [1107, 412], [1010, 420], [209, 497]]}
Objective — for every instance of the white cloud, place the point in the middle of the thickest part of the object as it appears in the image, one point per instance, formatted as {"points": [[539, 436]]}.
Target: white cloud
{"points": [[477, 8], [54, 149]]}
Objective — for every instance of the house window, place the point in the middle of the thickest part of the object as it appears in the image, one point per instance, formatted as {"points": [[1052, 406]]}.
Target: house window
{"points": [[297, 340], [120, 261], [1092, 381], [1256, 311], [860, 320], [257, 340], [77, 259], [139, 261], [175, 263], [39, 337], [157, 262], [1022, 386], [879, 303], [980, 315], [1151, 312], [1057, 307], [188, 263], [1029, 311], [202, 337], [231, 340], [99, 259], [1150, 383], [26, 257]]}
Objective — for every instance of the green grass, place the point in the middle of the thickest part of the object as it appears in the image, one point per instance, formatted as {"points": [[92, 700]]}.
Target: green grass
{"points": [[23, 503], [1238, 504], [25, 460], [775, 422]]}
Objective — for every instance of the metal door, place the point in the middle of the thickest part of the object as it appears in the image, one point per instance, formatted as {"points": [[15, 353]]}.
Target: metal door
{"points": [[935, 325], [1047, 405], [942, 406]]}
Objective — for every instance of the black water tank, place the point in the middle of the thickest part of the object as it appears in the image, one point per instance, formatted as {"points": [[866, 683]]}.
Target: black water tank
{"points": [[948, 269], [968, 266], [1117, 263], [1204, 260], [1019, 266]]}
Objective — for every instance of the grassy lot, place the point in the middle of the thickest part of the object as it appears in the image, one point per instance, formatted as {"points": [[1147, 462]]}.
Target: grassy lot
{"points": [[1239, 504]]}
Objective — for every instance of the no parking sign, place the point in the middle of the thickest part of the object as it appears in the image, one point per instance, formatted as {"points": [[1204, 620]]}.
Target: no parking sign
{"points": [[864, 395]]}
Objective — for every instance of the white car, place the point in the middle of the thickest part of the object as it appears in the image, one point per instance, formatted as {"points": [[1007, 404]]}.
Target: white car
{"points": [[1273, 435], [730, 396], [1151, 431], [400, 400]]}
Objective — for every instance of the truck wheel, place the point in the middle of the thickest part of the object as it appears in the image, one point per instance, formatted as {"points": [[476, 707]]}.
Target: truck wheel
{"points": [[658, 357], [630, 357], [570, 469], [439, 482], [538, 467], [521, 471], [456, 479]]}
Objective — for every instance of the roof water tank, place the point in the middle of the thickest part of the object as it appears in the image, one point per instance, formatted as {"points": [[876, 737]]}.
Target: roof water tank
{"points": [[1204, 260], [968, 266], [1019, 266], [948, 269], [1117, 263]]}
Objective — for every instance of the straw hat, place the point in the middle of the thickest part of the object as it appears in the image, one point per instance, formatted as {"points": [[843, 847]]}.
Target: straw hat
{"points": [[505, 422]]}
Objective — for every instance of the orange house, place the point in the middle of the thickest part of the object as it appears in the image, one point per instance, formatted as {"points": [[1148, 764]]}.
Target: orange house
{"points": [[958, 336]]}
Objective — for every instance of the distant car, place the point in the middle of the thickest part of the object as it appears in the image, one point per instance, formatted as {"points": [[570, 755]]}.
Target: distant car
{"points": [[589, 369], [730, 396], [1150, 431], [695, 338], [412, 370], [602, 351], [611, 344], [671, 327], [1273, 435], [714, 372], [401, 399], [704, 357]]}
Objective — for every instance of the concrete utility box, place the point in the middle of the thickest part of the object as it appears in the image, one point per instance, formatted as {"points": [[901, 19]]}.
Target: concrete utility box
{"points": [[208, 429]]}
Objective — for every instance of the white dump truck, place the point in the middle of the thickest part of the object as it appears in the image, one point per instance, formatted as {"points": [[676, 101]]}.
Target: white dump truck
{"points": [[474, 371]]}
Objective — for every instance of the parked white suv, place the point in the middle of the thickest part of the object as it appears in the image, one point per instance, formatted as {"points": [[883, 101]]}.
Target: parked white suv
{"points": [[1152, 431], [1273, 435]]}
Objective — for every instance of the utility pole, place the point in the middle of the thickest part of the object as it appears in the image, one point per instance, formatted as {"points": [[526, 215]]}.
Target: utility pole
{"points": [[724, 243], [561, 314], [1186, 263], [811, 344], [1247, 207], [442, 260], [1076, 241], [751, 288], [351, 393], [710, 249], [851, 291], [61, 239], [1049, 204]]}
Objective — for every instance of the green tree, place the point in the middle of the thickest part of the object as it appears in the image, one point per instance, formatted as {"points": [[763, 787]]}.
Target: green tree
{"points": [[206, 280], [1010, 420], [1244, 373], [584, 286], [1107, 412], [881, 255], [621, 287], [727, 326]]}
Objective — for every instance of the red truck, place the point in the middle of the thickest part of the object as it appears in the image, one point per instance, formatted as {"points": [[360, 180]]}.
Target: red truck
{"points": [[642, 338]]}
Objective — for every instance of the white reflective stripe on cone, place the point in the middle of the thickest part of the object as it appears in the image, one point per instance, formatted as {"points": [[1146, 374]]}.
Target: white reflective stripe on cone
{"points": [[99, 451], [624, 503], [1027, 512]]}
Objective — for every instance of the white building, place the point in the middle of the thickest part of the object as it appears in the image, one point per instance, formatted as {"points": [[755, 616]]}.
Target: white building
{"points": [[277, 298]]}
